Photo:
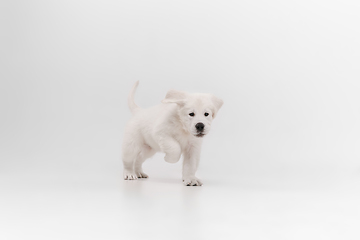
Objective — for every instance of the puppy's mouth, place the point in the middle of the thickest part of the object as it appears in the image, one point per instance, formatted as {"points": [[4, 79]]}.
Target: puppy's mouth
{"points": [[200, 135]]}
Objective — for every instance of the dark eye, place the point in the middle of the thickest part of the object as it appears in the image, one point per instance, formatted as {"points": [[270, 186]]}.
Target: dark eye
{"points": [[206, 114], [192, 114]]}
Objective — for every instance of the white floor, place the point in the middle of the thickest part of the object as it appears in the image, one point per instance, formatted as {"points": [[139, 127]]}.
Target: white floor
{"points": [[63, 204]]}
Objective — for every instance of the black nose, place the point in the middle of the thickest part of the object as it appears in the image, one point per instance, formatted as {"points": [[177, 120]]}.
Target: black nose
{"points": [[200, 127]]}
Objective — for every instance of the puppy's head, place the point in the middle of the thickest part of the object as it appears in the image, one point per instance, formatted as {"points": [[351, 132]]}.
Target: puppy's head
{"points": [[196, 111]]}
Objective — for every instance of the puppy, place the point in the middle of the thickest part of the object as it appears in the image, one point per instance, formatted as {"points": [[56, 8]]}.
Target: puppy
{"points": [[175, 127]]}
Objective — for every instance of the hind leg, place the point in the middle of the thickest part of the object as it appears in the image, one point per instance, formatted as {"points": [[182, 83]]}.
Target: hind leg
{"points": [[131, 149], [145, 153], [129, 163], [134, 155]]}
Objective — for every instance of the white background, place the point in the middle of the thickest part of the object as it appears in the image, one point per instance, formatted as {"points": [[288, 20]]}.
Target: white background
{"points": [[282, 160]]}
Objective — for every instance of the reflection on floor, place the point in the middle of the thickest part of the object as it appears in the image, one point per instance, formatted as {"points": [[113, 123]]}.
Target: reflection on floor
{"points": [[247, 206]]}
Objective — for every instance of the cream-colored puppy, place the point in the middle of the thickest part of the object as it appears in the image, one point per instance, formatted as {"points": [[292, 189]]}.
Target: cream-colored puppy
{"points": [[175, 127]]}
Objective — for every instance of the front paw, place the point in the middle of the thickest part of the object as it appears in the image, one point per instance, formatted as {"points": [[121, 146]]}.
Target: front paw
{"points": [[192, 181], [172, 158]]}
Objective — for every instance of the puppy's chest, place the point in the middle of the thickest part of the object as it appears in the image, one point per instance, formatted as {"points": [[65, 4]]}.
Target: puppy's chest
{"points": [[183, 140]]}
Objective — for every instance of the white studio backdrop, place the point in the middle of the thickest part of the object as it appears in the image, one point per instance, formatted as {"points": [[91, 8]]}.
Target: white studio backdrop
{"points": [[288, 73]]}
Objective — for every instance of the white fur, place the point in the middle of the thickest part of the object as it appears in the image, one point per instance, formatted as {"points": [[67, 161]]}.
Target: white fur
{"points": [[168, 128]]}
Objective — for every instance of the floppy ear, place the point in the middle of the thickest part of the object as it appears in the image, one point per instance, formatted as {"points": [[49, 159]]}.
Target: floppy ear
{"points": [[174, 96], [217, 103]]}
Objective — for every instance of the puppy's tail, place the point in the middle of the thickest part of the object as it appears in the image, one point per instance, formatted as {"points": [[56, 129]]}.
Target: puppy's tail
{"points": [[131, 102]]}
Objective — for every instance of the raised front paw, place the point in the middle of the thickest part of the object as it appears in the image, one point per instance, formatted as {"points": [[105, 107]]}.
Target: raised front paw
{"points": [[172, 158], [192, 181]]}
